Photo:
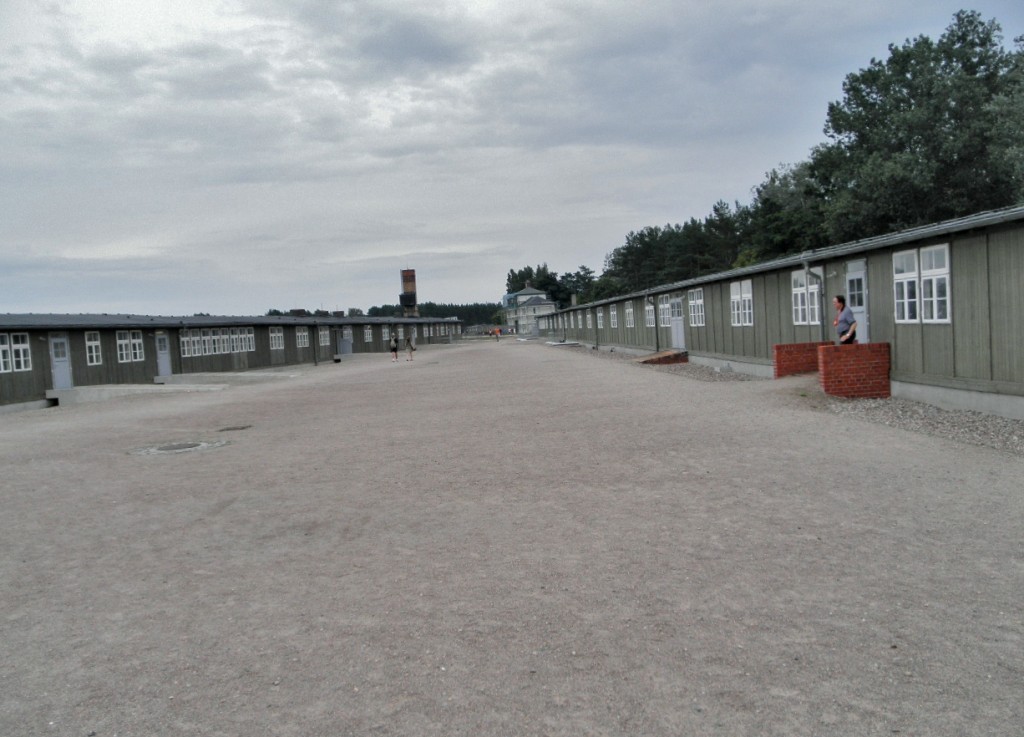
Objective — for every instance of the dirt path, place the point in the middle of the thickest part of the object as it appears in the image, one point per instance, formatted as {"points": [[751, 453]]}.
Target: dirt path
{"points": [[503, 539]]}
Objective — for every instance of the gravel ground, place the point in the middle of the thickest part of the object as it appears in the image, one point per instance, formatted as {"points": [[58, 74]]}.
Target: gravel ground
{"points": [[503, 540], [976, 428]]}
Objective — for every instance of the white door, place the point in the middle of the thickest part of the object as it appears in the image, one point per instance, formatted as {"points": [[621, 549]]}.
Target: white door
{"points": [[857, 297], [163, 354], [678, 329], [60, 361]]}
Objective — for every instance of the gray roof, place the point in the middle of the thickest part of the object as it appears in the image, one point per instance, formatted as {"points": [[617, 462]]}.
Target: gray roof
{"points": [[534, 301], [40, 321], [910, 235]]}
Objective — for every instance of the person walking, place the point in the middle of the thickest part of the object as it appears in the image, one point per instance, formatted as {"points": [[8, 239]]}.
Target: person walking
{"points": [[409, 347], [845, 323], [394, 349]]}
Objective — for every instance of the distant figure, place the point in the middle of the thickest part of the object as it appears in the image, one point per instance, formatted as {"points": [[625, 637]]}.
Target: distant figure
{"points": [[409, 347], [497, 334], [845, 323], [394, 349]]}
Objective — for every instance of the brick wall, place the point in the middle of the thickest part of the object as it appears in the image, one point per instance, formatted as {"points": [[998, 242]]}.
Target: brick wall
{"points": [[857, 371], [795, 358]]}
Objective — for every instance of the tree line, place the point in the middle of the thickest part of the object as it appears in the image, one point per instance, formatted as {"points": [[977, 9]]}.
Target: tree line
{"points": [[478, 313], [932, 132]]}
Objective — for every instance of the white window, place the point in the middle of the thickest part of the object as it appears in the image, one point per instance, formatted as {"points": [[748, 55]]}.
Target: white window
{"points": [[401, 332], [649, 314], [572, 320], [207, 342], [124, 347], [15, 352], [302, 337], [629, 315], [137, 352], [367, 333], [249, 339], [921, 294], [413, 331], [806, 292], [613, 317], [21, 353], [325, 336], [385, 333], [935, 284], [904, 282], [277, 338], [600, 318], [664, 311], [185, 342], [129, 346], [590, 320], [695, 300], [741, 302], [93, 349]]}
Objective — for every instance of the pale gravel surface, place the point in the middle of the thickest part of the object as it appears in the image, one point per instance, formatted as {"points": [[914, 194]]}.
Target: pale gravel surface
{"points": [[500, 540], [965, 426]]}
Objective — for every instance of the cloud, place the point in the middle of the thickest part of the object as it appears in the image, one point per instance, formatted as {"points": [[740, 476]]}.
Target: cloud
{"points": [[259, 153]]}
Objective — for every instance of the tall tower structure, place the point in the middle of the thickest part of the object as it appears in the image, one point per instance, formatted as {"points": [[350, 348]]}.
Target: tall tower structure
{"points": [[408, 296]]}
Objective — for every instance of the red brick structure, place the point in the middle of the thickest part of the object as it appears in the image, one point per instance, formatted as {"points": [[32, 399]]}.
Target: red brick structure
{"points": [[859, 371], [665, 358], [795, 358]]}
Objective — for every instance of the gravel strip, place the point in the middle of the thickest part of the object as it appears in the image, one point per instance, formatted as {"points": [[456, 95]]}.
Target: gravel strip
{"points": [[976, 428]]}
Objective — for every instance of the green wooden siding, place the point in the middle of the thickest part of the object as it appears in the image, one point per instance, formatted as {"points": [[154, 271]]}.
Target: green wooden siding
{"points": [[1006, 294]]}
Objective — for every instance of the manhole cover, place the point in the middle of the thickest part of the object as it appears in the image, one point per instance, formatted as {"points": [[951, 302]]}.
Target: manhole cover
{"points": [[177, 447], [185, 447]]}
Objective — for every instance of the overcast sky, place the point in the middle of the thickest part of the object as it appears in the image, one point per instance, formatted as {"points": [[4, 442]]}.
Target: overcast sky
{"points": [[232, 156]]}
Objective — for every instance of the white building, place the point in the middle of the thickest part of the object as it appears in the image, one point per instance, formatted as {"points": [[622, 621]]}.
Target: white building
{"points": [[523, 308]]}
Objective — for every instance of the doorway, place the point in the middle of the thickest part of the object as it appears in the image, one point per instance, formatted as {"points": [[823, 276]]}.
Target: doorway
{"points": [[857, 297], [678, 328], [163, 354], [60, 361]]}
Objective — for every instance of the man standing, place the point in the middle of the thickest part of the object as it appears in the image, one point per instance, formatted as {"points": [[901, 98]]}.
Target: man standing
{"points": [[844, 322]]}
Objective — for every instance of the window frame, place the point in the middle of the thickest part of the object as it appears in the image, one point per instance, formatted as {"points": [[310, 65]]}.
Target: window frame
{"points": [[630, 319], [741, 303], [276, 334], [93, 348], [15, 352], [695, 307], [613, 317], [806, 296], [124, 353], [904, 281], [929, 277]]}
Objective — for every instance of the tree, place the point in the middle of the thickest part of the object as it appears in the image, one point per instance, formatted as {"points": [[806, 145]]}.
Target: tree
{"points": [[786, 215], [540, 278], [579, 282], [914, 139]]}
